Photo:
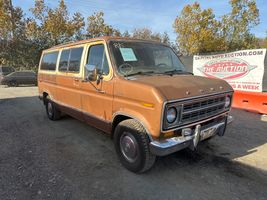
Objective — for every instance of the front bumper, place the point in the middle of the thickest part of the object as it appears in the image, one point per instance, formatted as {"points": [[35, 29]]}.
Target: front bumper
{"points": [[174, 144]]}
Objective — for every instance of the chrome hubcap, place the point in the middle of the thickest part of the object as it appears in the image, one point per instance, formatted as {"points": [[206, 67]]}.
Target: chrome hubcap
{"points": [[128, 146], [49, 109]]}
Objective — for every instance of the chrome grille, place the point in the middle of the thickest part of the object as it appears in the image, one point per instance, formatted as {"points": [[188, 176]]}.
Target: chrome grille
{"points": [[197, 109], [201, 108]]}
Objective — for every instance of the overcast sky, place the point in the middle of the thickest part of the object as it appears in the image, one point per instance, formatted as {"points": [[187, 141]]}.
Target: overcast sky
{"points": [[157, 15]]}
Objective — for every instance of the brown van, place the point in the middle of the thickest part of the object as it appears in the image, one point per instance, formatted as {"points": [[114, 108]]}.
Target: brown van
{"points": [[137, 91]]}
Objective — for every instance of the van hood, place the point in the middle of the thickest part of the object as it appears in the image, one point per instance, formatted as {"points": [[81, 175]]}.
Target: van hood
{"points": [[183, 86]]}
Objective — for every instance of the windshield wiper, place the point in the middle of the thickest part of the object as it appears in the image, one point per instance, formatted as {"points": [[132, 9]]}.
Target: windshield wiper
{"points": [[177, 71], [140, 73]]}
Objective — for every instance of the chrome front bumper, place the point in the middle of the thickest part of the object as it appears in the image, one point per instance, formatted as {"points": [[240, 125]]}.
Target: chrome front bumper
{"points": [[171, 145]]}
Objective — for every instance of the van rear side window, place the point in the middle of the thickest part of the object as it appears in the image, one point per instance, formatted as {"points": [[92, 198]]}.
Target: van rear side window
{"points": [[49, 61]]}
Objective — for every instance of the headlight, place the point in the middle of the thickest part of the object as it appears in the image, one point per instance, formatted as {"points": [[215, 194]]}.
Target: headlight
{"points": [[227, 102], [171, 115]]}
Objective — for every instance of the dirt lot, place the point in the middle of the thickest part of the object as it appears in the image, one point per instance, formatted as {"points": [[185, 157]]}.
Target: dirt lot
{"points": [[41, 159]]}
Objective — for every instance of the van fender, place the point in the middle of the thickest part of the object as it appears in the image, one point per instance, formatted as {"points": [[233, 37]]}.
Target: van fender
{"points": [[48, 94], [136, 116]]}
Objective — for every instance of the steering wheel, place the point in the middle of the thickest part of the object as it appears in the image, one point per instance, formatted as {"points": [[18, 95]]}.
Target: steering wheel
{"points": [[162, 65], [125, 68]]}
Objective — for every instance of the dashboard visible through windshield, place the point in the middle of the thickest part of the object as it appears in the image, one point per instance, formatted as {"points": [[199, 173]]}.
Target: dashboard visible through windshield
{"points": [[144, 58]]}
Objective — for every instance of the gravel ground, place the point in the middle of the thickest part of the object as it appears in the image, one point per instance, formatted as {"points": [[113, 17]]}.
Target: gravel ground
{"points": [[67, 159]]}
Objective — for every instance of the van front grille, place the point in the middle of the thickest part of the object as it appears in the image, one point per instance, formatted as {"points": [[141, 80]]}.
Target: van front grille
{"points": [[197, 109], [201, 108]]}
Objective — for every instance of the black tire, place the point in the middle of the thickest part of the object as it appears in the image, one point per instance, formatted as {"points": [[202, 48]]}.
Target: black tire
{"points": [[12, 84], [51, 110], [133, 131]]}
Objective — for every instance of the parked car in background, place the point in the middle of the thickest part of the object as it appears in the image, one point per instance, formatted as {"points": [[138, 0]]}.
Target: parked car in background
{"points": [[5, 70], [19, 78]]}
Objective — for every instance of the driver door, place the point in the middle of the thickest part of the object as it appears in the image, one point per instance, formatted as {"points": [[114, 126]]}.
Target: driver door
{"points": [[97, 97]]}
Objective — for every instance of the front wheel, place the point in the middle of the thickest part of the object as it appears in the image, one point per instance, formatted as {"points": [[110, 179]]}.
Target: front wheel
{"points": [[132, 146]]}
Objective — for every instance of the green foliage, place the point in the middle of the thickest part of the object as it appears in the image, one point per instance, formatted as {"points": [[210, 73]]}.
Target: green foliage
{"points": [[13, 42], [97, 27], [237, 24], [126, 34], [54, 25], [147, 34], [11, 21], [198, 31], [262, 42], [22, 39]]}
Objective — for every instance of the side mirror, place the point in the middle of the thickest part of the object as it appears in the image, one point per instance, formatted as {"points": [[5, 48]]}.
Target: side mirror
{"points": [[92, 72]]}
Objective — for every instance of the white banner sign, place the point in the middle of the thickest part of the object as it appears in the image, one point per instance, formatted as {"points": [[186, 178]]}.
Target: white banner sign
{"points": [[243, 70]]}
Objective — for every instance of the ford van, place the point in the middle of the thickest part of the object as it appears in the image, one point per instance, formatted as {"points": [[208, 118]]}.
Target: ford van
{"points": [[137, 91]]}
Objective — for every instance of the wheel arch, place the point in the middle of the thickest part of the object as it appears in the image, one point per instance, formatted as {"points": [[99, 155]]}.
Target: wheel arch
{"points": [[119, 117], [45, 94]]}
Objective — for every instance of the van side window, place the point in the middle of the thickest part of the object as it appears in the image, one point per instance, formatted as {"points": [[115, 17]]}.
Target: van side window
{"points": [[70, 60], [75, 59], [97, 56], [64, 60], [49, 61]]}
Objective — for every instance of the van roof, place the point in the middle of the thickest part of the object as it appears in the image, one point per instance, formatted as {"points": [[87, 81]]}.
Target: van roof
{"points": [[104, 38]]}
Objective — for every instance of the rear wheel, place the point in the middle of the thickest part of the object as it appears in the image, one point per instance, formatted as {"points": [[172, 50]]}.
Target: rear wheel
{"points": [[12, 84], [132, 146], [51, 110]]}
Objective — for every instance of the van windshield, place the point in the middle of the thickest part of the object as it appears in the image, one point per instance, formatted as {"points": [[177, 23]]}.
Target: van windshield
{"points": [[144, 58]]}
